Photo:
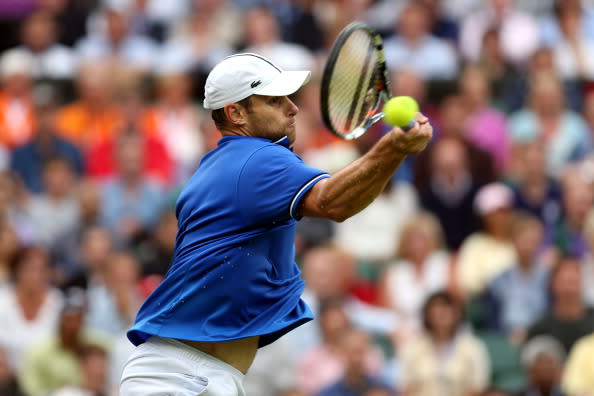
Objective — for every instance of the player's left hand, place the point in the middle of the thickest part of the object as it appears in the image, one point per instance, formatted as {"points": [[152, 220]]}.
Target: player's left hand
{"points": [[415, 139]]}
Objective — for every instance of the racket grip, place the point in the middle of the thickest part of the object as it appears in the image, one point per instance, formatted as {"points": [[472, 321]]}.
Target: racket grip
{"points": [[409, 126]]}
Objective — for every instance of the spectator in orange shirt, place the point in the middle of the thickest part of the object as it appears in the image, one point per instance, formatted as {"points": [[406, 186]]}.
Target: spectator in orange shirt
{"points": [[95, 117], [16, 108]]}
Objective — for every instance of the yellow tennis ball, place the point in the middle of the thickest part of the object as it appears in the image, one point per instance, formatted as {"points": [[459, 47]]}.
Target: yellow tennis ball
{"points": [[400, 110]]}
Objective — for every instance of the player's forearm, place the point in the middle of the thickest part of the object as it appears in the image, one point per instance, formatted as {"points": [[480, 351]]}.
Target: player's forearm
{"points": [[354, 187]]}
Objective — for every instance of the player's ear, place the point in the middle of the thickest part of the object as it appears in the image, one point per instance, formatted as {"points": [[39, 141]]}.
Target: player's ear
{"points": [[235, 113]]}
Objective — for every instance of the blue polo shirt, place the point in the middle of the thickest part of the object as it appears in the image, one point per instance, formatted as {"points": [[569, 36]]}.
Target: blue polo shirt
{"points": [[233, 273]]}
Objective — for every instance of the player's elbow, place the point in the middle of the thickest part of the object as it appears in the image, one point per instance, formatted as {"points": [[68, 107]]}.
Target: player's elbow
{"points": [[337, 215], [326, 211]]}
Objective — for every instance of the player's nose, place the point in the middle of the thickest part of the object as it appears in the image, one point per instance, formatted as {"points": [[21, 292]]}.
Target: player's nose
{"points": [[293, 109]]}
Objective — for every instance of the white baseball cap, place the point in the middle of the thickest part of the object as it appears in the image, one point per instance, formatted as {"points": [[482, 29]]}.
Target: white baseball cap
{"points": [[239, 76], [492, 197]]}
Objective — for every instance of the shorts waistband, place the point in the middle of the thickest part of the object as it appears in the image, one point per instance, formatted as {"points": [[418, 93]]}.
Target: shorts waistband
{"points": [[179, 349]]}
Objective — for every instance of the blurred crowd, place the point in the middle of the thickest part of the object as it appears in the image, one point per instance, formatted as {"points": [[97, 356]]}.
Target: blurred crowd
{"points": [[472, 274]]}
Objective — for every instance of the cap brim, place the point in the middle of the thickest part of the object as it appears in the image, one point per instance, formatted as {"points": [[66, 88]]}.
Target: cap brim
{"points": [[287, 83]]}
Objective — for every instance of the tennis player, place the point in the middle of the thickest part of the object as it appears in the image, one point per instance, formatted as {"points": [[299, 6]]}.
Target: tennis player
{"points": [[233, 285]]}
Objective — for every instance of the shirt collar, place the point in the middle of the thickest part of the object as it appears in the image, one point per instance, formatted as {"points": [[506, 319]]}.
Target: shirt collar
{"points": [[284, 141]]}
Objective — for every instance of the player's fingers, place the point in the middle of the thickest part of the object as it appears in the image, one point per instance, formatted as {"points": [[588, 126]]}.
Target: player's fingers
{"points": [[426, 131], [421, 119]]}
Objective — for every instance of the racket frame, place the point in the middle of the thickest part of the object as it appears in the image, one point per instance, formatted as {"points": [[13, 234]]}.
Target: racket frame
{"points": [[381, 87]]}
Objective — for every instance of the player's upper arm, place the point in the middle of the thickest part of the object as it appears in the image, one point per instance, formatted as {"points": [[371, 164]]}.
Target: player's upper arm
{"points": [[272, 185]]}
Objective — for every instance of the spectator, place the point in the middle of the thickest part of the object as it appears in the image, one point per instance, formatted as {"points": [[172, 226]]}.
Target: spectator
{"points": [[550, 29], [512, 25], [13, 208], [131, 202], [113, 41], [543, 359], [408, 82], [541, 62], [155, 250], [534, 191], [175, 122], [588, 110], [9, 385], [95, 250], [354, 346], [94, 368], [114, 302], [379, 390], [28, 159], [451, 190], [273, 369], [17, 117], [442, 26], [518, 296], [546, 118], [487, 253], [70, 16], [451, 123], [328, 274], [301, 25], [144, 19], [569, 318], [100, 159], [225, 20], [500, 73], [486, 126], [263, 36], [588, 259], [94, 117], [53, 361], [414, 44], [89, 203], [573, 52], [195, 46], [445, 360], [9, 245], [51, 60], [54, 214], [577, 377], [66, 251], [30, 306], [323, 365], [577, 198], [370, 235], [422, 268], [292, 392]]}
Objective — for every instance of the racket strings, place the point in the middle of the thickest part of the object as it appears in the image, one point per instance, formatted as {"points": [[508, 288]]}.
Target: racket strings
{"points": [[352, 93]]}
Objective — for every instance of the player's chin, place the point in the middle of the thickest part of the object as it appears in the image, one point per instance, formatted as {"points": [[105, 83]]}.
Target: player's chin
{"points": [[291, 132]]}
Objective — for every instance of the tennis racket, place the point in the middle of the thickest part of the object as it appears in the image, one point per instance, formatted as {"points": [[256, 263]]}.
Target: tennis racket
{"points": [[355, 82]]}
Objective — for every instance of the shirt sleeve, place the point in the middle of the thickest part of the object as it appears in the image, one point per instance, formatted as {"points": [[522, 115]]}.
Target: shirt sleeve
{"points": [[272, 183]]}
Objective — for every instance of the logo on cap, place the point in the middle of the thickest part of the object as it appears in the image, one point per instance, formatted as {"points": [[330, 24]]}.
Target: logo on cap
{"points": [[256, 83]]}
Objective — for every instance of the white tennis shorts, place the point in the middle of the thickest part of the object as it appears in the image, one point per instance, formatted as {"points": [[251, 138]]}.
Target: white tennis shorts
{"points": [[167, 367]]}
